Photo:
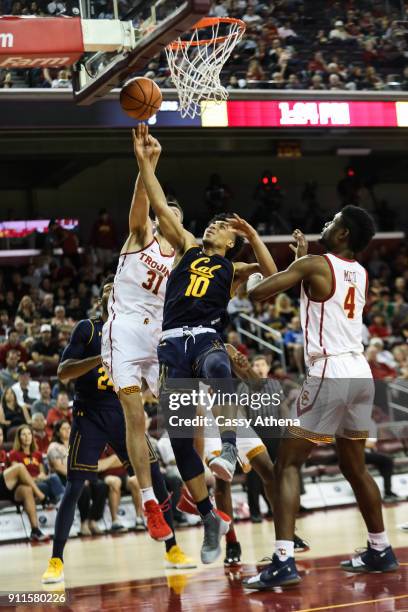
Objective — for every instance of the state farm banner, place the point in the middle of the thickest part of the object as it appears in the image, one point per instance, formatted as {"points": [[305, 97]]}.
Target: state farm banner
{"points": [[40, 42]]}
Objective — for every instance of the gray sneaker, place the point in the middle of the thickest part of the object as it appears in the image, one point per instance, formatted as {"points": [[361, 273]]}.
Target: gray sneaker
{"points": [[214, 528], [224, 465]]}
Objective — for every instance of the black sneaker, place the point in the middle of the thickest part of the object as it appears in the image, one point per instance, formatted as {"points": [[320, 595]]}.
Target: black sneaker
{"points": [[277, 573], [233, 554], [370, 560], [300, 545], [391, 497], [256, 518], [38, 536]]}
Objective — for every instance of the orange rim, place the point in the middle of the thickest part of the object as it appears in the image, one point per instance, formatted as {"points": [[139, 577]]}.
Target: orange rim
{"points": [[206, 23]]}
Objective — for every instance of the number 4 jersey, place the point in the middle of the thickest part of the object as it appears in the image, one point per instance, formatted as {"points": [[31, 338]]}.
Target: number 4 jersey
{"points": [[334, 326], [131, 334]]}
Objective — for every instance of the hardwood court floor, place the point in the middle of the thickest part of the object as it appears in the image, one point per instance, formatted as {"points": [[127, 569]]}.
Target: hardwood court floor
{"points": [[126, 572]]}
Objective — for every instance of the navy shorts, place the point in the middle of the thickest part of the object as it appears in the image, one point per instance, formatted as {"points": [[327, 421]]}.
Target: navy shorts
{"points": [[91, 431], [186, 356]]}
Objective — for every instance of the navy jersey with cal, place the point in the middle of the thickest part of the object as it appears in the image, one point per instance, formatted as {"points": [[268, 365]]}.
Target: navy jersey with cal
{"points": [[94, 390], [198, 291]]}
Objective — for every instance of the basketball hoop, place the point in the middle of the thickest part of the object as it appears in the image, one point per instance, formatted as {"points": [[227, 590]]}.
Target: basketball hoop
{"points": [[195, 64]]}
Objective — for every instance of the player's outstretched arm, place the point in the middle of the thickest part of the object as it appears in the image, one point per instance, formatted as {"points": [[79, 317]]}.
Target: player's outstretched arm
{"points": [[265, 265], [73, 365], [300, 270], [139, 220], [170, 226]]}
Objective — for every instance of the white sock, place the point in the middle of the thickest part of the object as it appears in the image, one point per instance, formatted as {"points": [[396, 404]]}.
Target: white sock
{"points": [[148, 494], [284, 549], [379, 541]]}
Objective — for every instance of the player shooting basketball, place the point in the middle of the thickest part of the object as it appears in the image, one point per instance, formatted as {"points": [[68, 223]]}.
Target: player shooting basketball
{"points": [[335, 402], [197, 295], [131, 334]]}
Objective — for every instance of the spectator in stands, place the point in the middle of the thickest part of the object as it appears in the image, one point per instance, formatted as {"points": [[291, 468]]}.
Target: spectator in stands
{"points": [[339, 32], [44, 352], [317, 64], [60, 321], [104, 238], [45, 401], [293, 340], [66, 240], [25, 452], [250, 17], [21, 329], [63, 81], [385, 465], [12, 413], [317, 82], [4, 325], [255, 71], [17, 486], [380, 371], [217, 195], [12, 343], [284, 309], [383, 355], [92, 501], [9, 374], [60, 411], [26, 309], [38, 426], [286, 32], [115, 476], [26, 390], [239, 304], [47, 307], [379, 327], [234, 339]]}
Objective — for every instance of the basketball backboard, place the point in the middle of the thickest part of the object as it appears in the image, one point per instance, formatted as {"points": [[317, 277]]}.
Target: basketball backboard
{"points": [[148, 27]]}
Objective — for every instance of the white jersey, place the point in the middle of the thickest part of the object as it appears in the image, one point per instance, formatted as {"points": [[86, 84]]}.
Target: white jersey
{"points": [[335, 326], [140, 283]]}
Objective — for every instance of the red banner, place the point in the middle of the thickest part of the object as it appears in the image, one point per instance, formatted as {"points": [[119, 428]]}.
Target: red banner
{"points": [[40, 42], [312, 114]]}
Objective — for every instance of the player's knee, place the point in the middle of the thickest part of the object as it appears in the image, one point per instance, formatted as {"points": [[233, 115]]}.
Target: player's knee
{"points": [[113, 482], [132, 484], [216, 365]]}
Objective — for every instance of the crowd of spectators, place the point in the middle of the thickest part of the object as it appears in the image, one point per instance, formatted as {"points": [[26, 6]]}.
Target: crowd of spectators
{"points": [[41, 303], [289, 44]]}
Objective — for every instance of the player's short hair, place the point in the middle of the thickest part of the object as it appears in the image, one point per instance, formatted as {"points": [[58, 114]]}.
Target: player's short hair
{"points": [[360, 225], [106, 281], [173, 202], [239, 241]]}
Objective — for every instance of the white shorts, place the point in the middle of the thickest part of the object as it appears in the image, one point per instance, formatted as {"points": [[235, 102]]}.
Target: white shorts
{"points": [[129, 353], [336, 399], [248, 447]]}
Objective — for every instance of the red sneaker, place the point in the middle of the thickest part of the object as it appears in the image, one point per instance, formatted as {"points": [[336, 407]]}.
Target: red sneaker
{"points": [[156, 523], [186, 503]]}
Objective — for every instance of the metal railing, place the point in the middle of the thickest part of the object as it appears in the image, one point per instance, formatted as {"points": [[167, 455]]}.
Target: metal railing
{"points": [[257, 327]]}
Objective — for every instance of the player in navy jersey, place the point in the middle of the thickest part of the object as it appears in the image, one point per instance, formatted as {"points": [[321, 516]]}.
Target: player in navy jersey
{"points": [[197, 294], [98, 421]]}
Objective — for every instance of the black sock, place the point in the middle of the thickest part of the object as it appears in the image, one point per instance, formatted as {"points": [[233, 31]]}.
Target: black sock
{"points": [[229, 436], [163, 497], [65, 516], [204, 506]]}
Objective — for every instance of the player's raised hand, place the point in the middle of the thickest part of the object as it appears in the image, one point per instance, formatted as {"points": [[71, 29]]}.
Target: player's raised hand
{"points": [[156, 149], [241, 227], [301, 246], [142, 144]]}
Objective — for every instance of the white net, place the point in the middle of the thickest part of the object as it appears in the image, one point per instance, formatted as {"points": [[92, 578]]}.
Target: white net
{"points": [[195, 64]]}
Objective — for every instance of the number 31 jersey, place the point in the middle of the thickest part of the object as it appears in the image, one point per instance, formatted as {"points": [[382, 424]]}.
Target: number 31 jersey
{"points": [[140, 283], [335, 326]]}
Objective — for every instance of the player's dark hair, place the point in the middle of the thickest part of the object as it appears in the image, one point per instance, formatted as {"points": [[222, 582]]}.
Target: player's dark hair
{"points": [[106, 281], [172, 202], [239, 241], [360, 225]]}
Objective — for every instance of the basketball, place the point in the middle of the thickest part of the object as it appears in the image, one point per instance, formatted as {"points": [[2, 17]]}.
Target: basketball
{"points": [[140, 98]]}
